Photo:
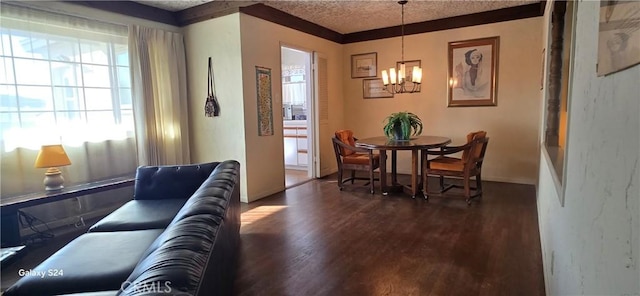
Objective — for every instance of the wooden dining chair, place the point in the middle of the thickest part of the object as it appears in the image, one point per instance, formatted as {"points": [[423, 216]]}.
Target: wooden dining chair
{"points": [[352, 158], [465, 167]]}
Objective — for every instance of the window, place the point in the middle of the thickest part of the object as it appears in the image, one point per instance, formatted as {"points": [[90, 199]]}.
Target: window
{"points": [[70, 84], [557, 99], [294, 85]]}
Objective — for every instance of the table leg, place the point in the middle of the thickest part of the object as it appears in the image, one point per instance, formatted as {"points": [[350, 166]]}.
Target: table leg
{"points": [[425, 177], [383, 172], [414, 172], [394, 169]]}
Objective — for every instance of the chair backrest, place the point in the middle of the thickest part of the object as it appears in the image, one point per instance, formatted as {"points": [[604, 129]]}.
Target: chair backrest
{"points": [[346, 136], [477, 149]]}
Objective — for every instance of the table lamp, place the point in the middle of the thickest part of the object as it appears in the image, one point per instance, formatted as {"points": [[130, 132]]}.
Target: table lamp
{"points": [[52, 157]]}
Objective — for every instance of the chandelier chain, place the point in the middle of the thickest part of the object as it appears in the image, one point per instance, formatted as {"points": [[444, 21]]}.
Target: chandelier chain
{"points": [[402, 38]]}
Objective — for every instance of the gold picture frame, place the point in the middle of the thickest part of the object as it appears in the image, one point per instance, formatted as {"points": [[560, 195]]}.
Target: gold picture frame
{"points": [[364, 65], [372, 88], [473, 72]]}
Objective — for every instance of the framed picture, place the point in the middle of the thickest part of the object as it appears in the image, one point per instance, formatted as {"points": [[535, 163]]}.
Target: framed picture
{"points": [[265, 105], [618, 36], [473, 72], [364, 65], [373, 88], [408, 66]]}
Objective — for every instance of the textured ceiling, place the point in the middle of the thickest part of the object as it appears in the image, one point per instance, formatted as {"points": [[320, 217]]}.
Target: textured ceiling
{"points": [[361, 15]]}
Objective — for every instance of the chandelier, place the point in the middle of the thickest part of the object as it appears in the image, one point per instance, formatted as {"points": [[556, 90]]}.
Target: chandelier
{"points": [[396, 80]]}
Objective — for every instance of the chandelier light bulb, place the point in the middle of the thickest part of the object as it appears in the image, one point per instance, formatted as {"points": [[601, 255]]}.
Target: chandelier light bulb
{"points": [[416, 75], [393, 74], [401, 73]]}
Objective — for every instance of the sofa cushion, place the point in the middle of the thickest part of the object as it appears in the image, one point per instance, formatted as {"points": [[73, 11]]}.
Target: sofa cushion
{"points": [[180, 257], [98, 261], [166, 182], [140, 214]]}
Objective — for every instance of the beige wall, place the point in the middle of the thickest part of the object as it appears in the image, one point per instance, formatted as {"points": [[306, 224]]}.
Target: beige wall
{"points": [[217, 138], [513, 126], [240, 42], [237, 44], [261, 41]]}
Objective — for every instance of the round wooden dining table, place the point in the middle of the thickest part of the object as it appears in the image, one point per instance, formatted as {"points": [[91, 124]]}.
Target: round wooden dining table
{"points": [[416, 145]]}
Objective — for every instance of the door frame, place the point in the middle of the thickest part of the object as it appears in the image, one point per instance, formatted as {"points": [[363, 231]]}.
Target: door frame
{"points": [[312, 151]]}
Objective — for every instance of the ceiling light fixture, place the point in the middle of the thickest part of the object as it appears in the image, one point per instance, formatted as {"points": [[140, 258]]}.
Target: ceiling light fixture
{"points": [[395, 81]]}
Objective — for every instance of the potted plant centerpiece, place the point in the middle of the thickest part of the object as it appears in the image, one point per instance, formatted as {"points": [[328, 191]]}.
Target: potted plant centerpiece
{"points": [[399, 126]]}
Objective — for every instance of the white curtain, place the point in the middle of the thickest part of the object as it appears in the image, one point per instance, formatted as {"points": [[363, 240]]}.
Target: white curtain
{"points": [[159, 86], [95, 154], [294, 93], [94, 150]]}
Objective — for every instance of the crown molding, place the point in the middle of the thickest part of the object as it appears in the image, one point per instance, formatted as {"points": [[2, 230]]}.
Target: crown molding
{"points": [[133, 9], [216, 9], [279, 17], [207, 11], [481, 18]]}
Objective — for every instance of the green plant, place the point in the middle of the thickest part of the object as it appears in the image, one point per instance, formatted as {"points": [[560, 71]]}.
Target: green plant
{"points": [[399, 125]]}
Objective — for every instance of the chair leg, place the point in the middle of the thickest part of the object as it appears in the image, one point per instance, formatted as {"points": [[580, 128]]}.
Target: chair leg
{"points": [[467, 189], [441, 183], [353, 176], [340, 179], [371, 181], [479, 185], [425, 185]]}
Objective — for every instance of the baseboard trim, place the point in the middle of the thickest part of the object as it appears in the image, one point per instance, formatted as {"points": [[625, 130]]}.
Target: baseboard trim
{"points": [[510, 180]]}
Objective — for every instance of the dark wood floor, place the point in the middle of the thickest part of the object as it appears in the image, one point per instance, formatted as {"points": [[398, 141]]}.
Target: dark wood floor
{"points": [[316, 240]]}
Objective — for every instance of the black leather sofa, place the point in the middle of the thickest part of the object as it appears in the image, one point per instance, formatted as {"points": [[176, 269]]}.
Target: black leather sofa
{"points": [[178, 236]]}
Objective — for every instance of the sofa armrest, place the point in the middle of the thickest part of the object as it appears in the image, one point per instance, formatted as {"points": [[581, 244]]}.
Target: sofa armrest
{"points": [[198, 251], [175, 181]]}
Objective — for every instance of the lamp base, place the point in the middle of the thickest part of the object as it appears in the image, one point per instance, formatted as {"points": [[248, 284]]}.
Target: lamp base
{"points": [[53, 179]]}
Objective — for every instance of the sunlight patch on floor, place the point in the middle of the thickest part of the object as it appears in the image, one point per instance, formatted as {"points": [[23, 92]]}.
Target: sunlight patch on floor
{"points": [[258, 213]]}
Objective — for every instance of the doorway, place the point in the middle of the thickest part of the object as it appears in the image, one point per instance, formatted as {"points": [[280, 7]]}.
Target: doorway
{"points": [[297, 115]]}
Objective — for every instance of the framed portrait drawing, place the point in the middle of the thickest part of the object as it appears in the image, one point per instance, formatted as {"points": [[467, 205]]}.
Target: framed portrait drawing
{"points": [[473, 72], [373, 88], [618, 36], [408, 65], [364, 65]]}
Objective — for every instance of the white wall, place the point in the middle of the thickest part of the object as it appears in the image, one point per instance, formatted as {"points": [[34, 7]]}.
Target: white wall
{"points": [[590, 246], [513, 125], [217, 138]]}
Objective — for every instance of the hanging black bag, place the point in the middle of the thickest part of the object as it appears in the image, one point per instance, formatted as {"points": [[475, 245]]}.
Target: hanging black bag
{"points": [[211, 106]]}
